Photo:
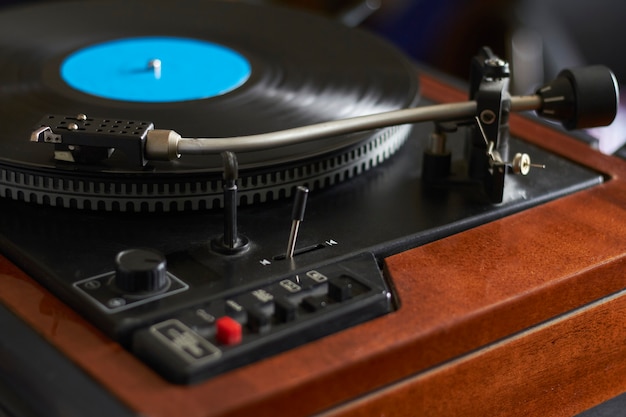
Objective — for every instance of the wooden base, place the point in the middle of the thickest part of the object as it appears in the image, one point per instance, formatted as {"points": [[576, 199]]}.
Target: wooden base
{"points": [[523, 316]]}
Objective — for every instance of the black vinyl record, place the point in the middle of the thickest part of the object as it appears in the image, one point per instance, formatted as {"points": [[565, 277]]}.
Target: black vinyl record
{"points": [[304, 69]]}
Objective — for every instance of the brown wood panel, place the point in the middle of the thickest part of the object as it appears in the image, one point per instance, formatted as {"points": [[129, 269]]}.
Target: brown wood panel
{"points": [[457, 295], [558, 368]]}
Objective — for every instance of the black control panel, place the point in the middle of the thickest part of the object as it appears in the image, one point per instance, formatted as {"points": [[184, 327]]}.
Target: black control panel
{"points": [[226, 332], [165, 317]]}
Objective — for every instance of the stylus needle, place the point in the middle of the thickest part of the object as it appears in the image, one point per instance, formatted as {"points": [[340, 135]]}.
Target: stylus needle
{"points": [[296, 218]]}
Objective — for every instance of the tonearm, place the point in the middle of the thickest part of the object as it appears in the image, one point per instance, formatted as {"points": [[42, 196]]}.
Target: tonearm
{"points": [[579, 98]]}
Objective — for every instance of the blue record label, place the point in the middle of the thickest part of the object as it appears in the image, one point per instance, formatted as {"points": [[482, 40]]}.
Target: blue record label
{"points": [[155, 69]]}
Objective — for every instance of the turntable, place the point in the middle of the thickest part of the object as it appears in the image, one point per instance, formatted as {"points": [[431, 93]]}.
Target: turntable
{"points": [[222, 208]]}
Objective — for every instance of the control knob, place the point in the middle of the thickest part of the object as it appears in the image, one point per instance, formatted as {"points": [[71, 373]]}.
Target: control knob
{"points": [[140, 271]]}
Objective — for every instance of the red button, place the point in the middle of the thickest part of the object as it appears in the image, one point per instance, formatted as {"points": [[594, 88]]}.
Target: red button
{"points": [[228, 331]]}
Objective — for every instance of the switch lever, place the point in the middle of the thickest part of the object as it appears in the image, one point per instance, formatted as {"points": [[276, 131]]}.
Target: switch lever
{"points": [[231, 242], [296, 218]]}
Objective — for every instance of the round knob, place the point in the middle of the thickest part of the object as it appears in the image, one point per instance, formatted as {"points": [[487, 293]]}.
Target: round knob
{"points": [[140, 271]]}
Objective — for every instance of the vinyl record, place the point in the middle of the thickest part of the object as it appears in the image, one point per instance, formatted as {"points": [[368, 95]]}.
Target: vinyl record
{"points": [[294, 69]]}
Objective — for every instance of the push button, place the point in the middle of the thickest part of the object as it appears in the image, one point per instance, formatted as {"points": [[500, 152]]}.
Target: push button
{"points": [[236, 311], [259, 320], [285, 310], [340, 288], [200, 321], [312, 280], [228, 331], [313, 303]]}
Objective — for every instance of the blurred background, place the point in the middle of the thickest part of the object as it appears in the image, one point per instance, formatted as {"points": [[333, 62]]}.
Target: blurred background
{"points": [[537, 37]]}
